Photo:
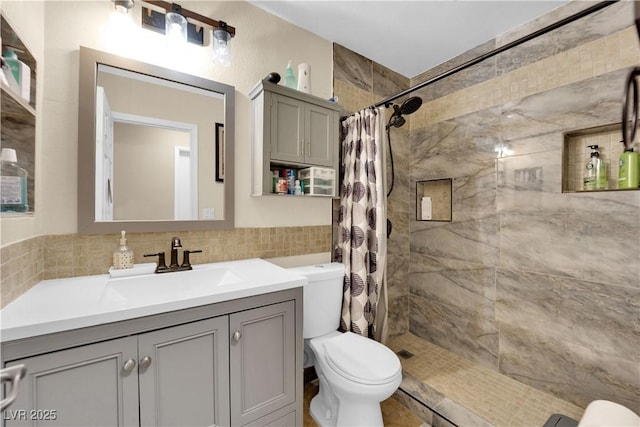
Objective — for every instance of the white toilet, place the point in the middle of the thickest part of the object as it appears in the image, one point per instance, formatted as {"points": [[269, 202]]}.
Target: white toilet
{"points": [[355, 373]]}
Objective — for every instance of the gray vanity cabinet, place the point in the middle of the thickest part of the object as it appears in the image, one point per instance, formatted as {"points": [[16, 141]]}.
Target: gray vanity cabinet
{"points": [[84, 386], [185, 368], [262, 353], [184, 375]]}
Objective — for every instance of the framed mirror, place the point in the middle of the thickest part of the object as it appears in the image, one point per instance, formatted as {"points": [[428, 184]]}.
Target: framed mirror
{"points": [[153, 144]]}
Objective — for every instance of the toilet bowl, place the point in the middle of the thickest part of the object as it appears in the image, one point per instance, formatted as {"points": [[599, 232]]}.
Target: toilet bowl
{"points": [[355, 373]]}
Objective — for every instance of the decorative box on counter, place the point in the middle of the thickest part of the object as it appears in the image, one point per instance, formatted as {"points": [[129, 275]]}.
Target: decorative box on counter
{"points": [[318, 181]]}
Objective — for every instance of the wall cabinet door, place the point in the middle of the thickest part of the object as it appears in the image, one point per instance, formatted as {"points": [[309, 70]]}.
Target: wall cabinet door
{"points": [[92, 385], [184, 380], [262, 356], [287, 129], [319, 135]]}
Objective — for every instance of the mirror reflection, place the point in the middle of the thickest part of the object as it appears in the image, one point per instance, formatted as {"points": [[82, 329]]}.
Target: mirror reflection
{"points": [[156, 149]]}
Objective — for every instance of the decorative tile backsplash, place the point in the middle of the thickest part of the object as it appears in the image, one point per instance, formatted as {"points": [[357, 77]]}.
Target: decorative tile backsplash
{"points": [[69, 255]]}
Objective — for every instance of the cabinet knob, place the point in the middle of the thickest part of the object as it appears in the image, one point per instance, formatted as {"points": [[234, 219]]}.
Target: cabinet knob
{"points": [[236, 336], [144, 362], [129, 365]]}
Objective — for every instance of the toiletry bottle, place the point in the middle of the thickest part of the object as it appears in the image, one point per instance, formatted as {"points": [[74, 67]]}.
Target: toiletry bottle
{"points": [[297, 189], [19, 78], [289, 77], [13, 184], [291, 181], [122, 255], [595, 174], [628, 169]]}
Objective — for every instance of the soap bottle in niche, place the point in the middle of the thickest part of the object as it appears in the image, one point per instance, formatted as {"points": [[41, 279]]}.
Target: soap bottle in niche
{"points": [[595, 174], [289, 77], [13, 183], [122, 255], [628, 169]]}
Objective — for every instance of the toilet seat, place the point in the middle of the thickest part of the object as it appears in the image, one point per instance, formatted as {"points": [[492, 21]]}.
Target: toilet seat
{"points": [[380, 366]]}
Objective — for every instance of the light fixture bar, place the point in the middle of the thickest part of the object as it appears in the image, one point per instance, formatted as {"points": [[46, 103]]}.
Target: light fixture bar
{"points": [[191, 15]]}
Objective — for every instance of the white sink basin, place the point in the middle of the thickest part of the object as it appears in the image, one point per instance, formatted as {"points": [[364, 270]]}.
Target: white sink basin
{"points": [[174, 286]]}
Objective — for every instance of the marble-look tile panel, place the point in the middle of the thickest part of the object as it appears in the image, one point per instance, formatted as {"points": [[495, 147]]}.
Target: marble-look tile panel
{"points": [[570, 371], [607, 21], [398, 314], [587, 314], [473, 241], [456, 147], [480, 72], [414, 406], [601, 247], [387, 82], [455, 309], [533, 184], [582, 105], [352, 67]]}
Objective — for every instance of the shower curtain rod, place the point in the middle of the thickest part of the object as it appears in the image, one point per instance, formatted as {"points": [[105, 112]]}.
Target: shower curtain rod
{"points": [[585, 12]]}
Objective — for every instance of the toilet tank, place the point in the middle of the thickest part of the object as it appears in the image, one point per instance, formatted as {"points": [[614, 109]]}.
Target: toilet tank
{"points": [[322, 296]]}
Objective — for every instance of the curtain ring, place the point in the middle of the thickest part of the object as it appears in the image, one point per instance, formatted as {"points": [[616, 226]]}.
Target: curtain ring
{"points": [[630, 124]]}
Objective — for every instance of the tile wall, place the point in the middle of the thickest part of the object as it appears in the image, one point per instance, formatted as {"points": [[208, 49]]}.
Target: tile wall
{"points": [[540, 285], [50, 257], [537, 284], [359, 82]]}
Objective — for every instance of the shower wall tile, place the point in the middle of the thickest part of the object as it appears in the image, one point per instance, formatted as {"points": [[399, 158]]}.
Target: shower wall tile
{"points": [[472, 241], [352, 68], [387, 82], [455, 310], [597, 247], [609, 20], [573, 338], [352, 98], [484, 70], [398, 288]]}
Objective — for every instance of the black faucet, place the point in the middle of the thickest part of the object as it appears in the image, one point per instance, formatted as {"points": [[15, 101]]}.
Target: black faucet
{"points": [[173, 265]]}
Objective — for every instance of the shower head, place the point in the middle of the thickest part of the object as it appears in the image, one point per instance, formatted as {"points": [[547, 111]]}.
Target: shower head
{"points": [[409, 106]]}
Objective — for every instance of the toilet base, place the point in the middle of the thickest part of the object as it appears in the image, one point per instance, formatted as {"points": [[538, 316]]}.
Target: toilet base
{"points": [[352, 414]]}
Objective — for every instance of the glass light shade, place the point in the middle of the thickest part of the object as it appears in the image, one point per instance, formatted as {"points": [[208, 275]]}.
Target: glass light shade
{"points": [[123, 6], [175, 27], [221, 47]]}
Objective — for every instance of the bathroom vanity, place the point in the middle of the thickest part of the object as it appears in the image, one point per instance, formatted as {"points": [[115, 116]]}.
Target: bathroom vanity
{"points": [[219, 345]]}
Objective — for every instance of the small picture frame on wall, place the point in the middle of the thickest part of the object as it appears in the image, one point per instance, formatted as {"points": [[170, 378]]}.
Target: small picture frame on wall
{"points": [[219, 152]]}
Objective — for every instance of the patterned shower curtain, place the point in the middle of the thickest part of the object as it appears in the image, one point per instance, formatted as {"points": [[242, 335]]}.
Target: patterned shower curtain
{"points": [[362, 221]]}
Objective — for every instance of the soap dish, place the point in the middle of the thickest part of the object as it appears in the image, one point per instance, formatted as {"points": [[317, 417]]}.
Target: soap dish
{"points": [[138, 269]]}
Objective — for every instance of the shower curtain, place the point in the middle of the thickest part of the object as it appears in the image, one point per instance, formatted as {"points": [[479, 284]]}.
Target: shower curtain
{"points": [[362, 224]]}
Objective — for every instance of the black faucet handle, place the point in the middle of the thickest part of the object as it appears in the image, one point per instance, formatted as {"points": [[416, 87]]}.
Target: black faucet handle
{"points": [[185, 260], [161, 262]]}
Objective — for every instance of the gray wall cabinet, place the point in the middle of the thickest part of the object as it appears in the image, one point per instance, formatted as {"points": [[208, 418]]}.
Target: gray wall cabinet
{"points": [[243, 366], [290, 129]]}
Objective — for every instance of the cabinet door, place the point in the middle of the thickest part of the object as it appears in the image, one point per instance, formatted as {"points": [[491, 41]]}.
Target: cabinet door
{"points": [[84, 386], [187, 380], [287, 129], [320, 136], [263, 365]]}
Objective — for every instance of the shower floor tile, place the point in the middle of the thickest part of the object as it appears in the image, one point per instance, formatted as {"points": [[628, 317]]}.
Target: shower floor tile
{"points": [[465, 391]]}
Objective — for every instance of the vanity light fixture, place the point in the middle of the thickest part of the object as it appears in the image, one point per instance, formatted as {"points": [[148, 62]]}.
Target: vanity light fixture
{"points": [[165, 23], [123, 6], [175, 25]]}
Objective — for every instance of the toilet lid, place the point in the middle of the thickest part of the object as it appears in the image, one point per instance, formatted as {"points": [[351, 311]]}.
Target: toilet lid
{"points": [[361, 359]]}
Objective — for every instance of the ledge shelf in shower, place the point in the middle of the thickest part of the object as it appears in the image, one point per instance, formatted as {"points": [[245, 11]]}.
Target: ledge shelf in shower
{"points": [[434, 196]]}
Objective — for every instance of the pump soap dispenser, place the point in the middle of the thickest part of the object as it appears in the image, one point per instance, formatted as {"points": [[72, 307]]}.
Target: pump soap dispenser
{"points": [[122, 255], [595, 174]]}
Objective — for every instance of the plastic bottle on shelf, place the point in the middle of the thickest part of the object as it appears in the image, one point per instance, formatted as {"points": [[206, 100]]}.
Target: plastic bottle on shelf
{"points": [[595, 174], [13, 185], [628, 169], [289, 77]]}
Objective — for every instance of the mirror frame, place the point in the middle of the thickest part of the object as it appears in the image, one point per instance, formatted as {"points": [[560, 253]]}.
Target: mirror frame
{"points": [[88, 75]]}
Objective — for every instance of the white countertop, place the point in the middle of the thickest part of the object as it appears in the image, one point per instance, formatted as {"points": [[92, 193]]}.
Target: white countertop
{"points": [[64, 304]]}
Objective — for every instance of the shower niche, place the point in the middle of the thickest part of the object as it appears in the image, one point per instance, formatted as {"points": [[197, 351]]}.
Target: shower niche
{"points": [[434, 200], [576, 152]]}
